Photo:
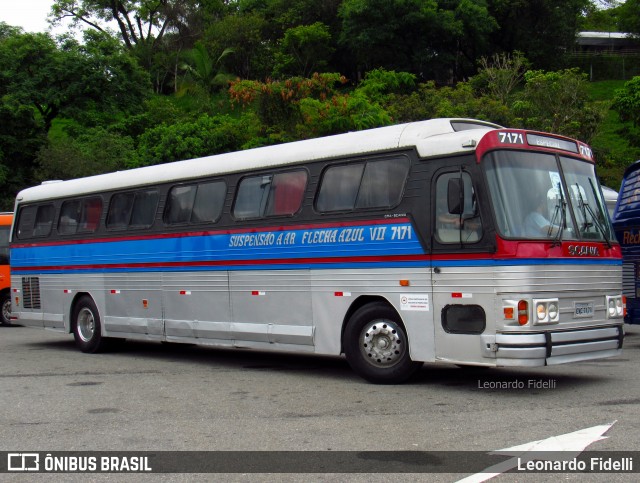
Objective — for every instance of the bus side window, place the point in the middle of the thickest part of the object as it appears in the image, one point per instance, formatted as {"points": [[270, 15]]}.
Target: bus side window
{"points": [[287, 191], [90, 219], [209, 202], [383, 183], [339, 188], [44, 220], [69, 217], [145, 205], [252, 197], [179, 204], [455, 228], [119, 211], [374, 184]]}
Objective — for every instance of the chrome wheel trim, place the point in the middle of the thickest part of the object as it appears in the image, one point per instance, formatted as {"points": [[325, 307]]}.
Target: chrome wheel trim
{"points": [[6, 310], [86, 324], [382, 343]]}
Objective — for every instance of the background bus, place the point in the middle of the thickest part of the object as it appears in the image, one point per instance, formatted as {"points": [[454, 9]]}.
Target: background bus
{"points": [[626, 221], [448, 240], [5, 274], [610, 199]]}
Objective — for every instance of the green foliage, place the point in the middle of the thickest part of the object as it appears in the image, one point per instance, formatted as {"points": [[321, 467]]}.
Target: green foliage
{"points": [[405, 58], [85, 153], [558, 102], [629, 17], [341, 113], [303, 50], [428, 102], [543, 30], [379, 83], [70, 79], [277, 103], [204, 136], [627, 102], [243, 34], [500, 75]]}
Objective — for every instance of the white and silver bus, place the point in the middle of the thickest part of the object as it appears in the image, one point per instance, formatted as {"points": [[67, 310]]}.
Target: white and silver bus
{"points": [[394, 246]]}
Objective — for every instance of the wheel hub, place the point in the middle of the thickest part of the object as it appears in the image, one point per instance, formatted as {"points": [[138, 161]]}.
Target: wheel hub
{"points": [[381, 344]]}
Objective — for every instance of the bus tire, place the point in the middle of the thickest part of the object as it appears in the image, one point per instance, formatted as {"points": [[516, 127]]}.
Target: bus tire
{"points": [[377, 347], [86, 326], [5, 308]]}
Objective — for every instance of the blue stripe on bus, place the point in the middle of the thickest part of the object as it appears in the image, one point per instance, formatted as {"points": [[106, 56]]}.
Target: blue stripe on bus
{"points": [[377, 245], [373, 240]]}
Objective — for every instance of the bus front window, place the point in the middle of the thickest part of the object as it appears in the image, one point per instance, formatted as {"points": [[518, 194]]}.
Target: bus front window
{"points": [[528, 195], [587, 201]]}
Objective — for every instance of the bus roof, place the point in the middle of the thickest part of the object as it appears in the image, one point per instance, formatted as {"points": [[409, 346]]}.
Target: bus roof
{"points": [[430, 138]]}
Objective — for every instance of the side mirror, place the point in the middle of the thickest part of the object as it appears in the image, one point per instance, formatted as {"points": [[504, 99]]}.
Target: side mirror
{"points": [[455, 196]]}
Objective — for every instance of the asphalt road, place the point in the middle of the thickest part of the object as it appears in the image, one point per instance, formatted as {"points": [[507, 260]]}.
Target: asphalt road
{"points": [[157, 397]]}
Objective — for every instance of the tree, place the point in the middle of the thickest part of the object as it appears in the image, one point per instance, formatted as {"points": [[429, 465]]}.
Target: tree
{"points": [[243, 35], [84, 153], [627, 102], [629, 17], [389, 33], [501, 74], [558, 102], [137, 21], [542, 30], [304, 50], [601, 16], [70, 79], [204, 136], [430, 38]]}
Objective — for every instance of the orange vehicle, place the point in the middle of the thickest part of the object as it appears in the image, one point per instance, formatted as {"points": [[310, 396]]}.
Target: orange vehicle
{"points": [[5, 277]]}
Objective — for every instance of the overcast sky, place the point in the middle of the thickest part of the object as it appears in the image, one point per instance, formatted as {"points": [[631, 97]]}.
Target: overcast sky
{"points": [[31, 15]]}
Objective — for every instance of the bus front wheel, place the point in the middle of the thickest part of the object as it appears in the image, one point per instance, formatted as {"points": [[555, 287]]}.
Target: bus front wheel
{"points": [[377, 347], [86, 326]]}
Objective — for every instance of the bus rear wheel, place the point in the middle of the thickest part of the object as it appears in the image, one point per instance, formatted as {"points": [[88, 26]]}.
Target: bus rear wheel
{"points": [[377, 347], [5, 309], [86, 326]]}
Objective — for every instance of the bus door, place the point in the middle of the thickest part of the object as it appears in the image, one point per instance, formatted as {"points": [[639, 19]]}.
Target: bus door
{"points": [[461, 275]]}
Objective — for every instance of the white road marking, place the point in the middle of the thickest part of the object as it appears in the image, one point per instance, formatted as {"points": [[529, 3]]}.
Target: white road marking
{"points": [[571, 444]]}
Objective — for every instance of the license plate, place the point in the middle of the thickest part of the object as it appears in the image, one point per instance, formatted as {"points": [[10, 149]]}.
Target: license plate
{"points": [[583, 309]]}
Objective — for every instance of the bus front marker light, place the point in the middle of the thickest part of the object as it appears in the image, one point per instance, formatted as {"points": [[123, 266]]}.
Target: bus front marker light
{"points": [[541, 311], [611, 307], [523, 312], [619, 307], [553, 311]]}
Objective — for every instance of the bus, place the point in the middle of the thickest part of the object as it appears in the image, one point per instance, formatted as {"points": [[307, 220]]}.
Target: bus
{"points": [[393, 246], [6, 219], [626, 222]]}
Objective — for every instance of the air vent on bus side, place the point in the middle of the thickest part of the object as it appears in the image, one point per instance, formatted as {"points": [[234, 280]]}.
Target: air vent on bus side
{"points": [[31, 292]]}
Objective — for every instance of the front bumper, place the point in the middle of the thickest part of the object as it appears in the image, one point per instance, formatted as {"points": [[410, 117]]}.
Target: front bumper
{"points": [[546, 348]]}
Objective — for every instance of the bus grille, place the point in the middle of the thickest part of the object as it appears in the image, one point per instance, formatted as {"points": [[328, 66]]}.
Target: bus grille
{"points": [[31, 292]]}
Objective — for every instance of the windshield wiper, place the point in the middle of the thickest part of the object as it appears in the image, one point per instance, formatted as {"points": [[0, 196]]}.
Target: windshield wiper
{"points": [[561, 209], [586, 208], [593, 216]]}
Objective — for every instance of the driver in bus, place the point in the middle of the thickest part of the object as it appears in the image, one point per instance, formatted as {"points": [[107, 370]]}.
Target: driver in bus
{"points": [[536, 223]]}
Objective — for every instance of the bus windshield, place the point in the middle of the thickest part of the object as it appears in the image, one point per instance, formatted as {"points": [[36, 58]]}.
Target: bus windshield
{"points": [[544, 196]]}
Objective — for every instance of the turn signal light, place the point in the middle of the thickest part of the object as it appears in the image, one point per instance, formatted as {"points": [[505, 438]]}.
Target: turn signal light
{"points": [[523, 312]]}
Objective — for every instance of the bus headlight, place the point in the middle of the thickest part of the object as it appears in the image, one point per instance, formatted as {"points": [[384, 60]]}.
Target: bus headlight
{"points": [[547, 311], [615, 307]]}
